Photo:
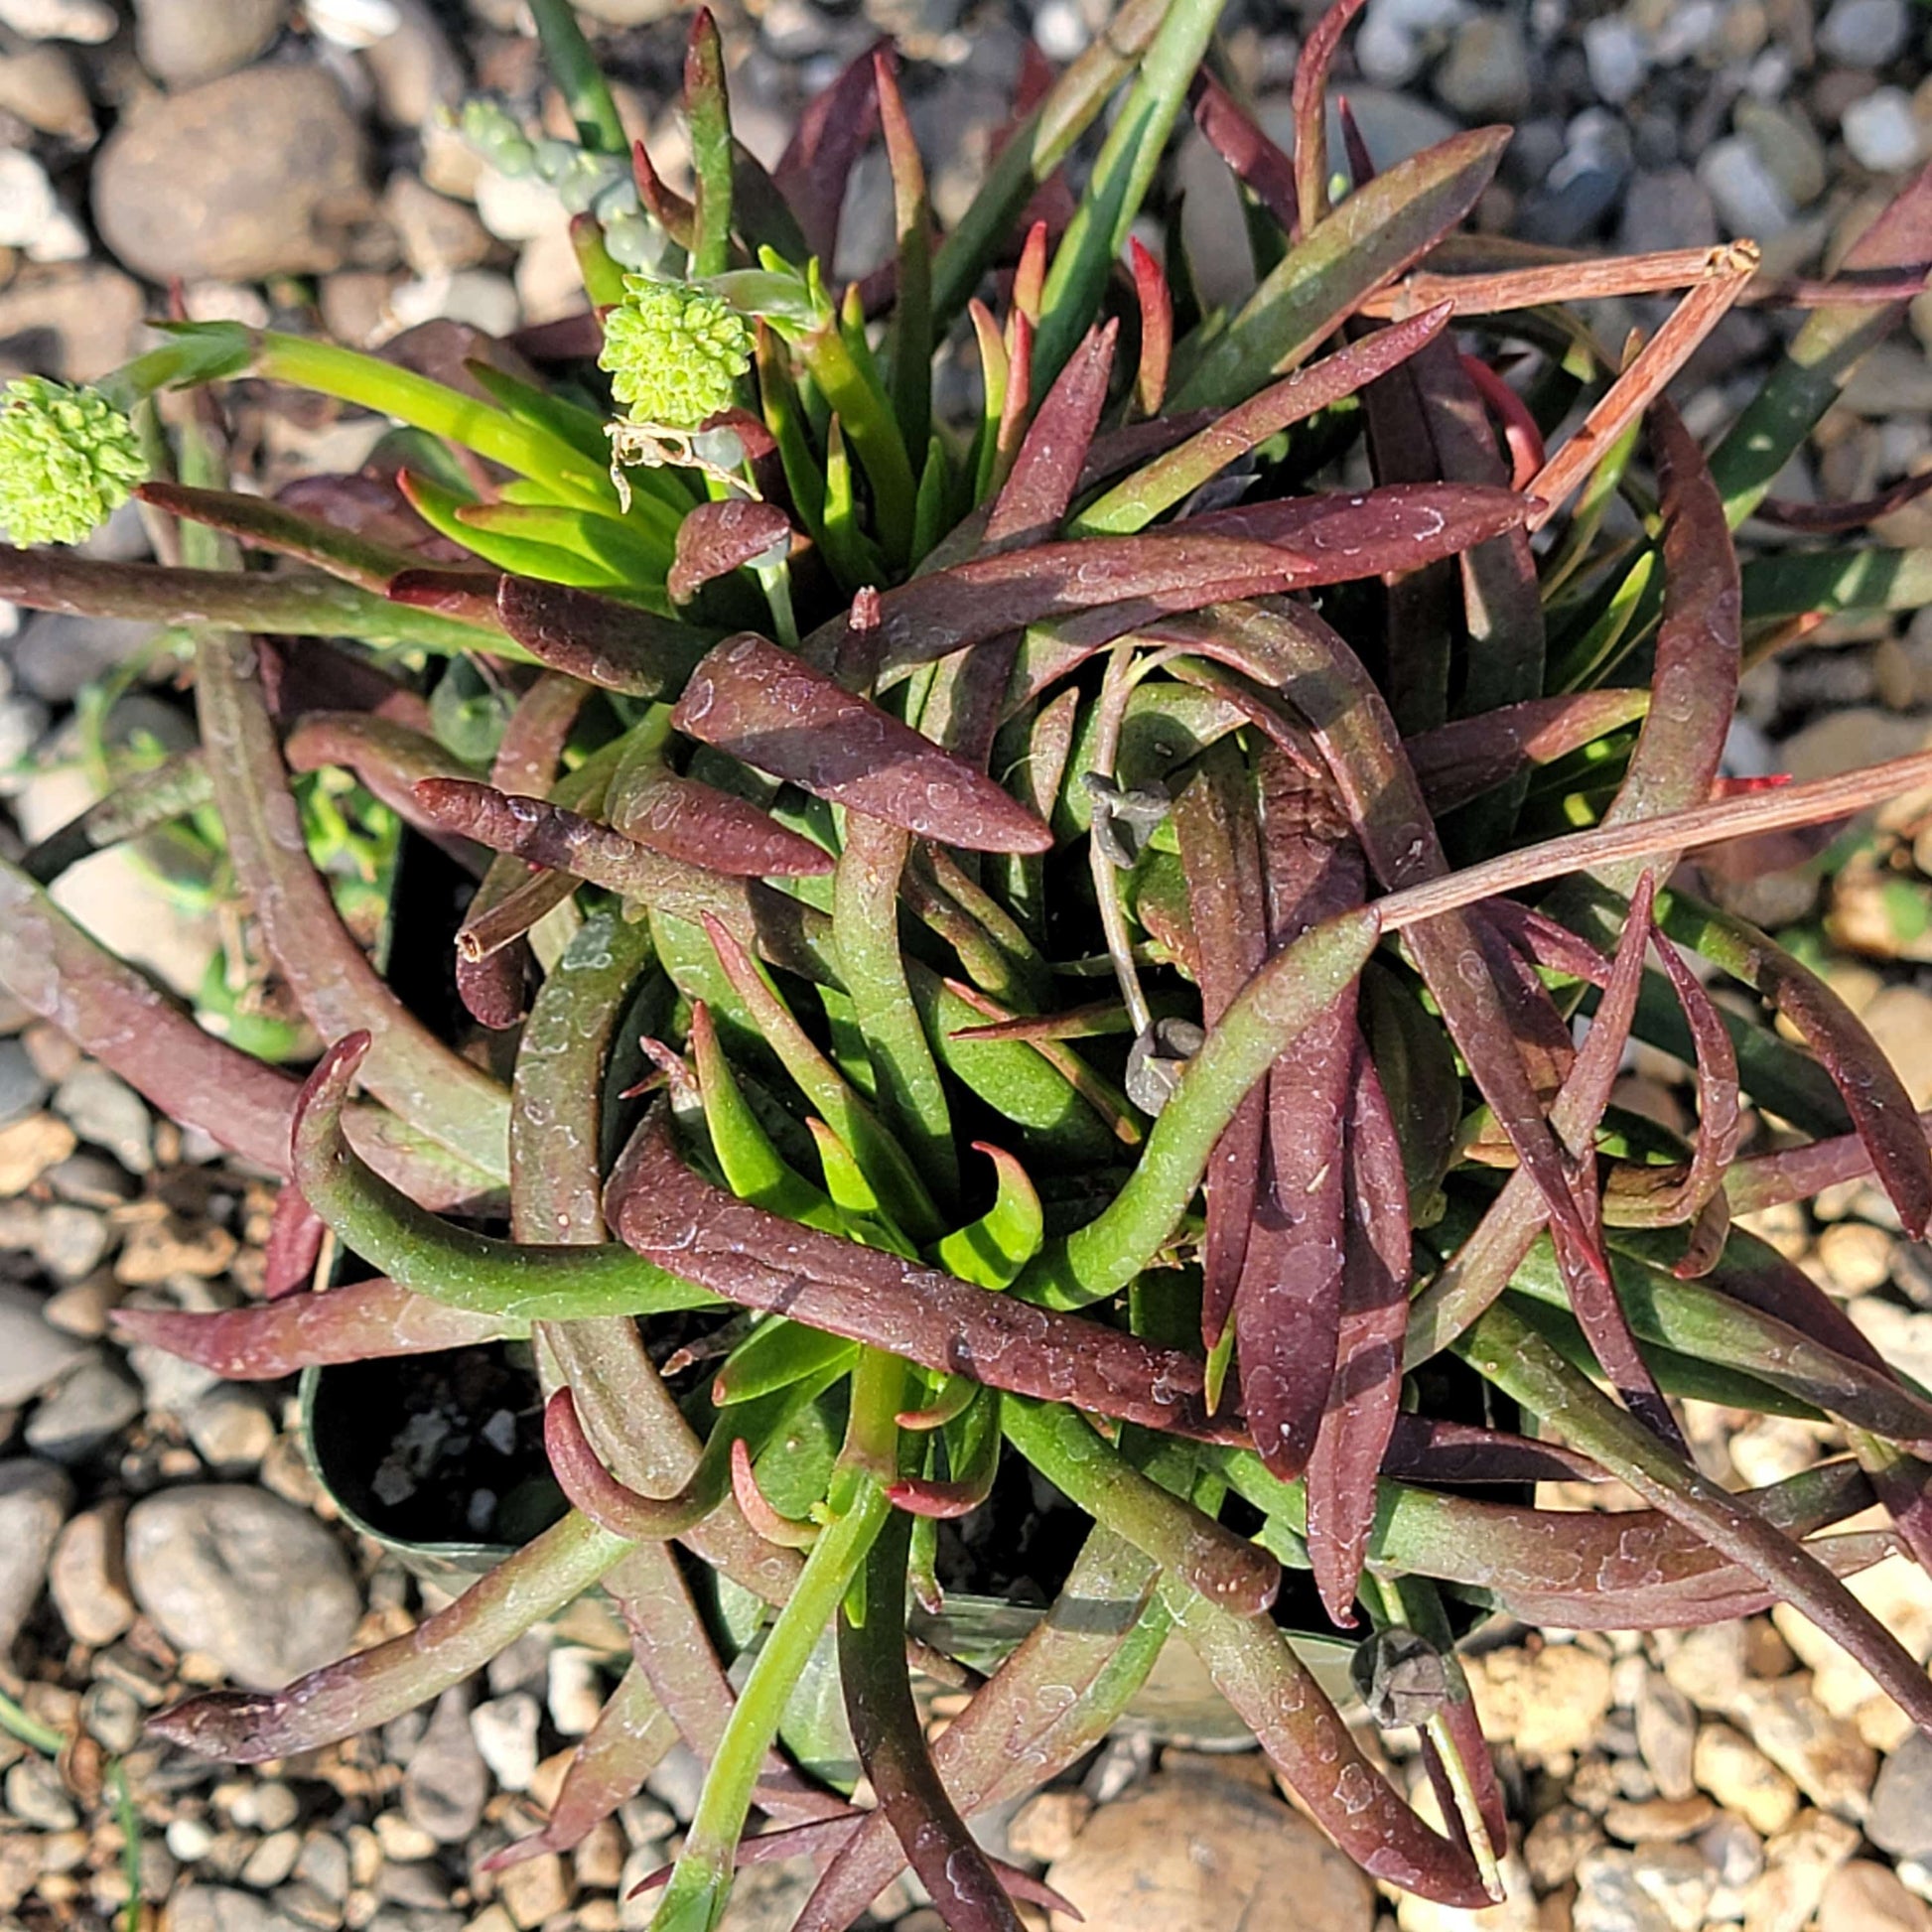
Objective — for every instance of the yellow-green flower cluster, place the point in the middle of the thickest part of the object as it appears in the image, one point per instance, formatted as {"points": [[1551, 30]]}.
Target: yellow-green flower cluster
{"points": [[673, 353], [69, 457]]}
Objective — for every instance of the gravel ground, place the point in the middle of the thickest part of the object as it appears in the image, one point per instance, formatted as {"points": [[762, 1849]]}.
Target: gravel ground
{"points": [[159, 1530]]}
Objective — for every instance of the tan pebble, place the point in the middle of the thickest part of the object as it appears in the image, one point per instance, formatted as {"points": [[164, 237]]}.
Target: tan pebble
{"points": [[1659, 1821], [1799, 1863], [599, 1861], [1557, 1842], [1047, 1825], [29, 1148], [1822, 1754], [1742, 1779], [1197, 1855], [87, 1578], [1857, 1256], [533, 1890], [1549, 1704], [1864, 1896]]}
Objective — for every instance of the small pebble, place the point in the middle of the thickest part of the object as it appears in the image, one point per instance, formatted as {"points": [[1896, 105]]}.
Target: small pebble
{"points": [[33, 1505], [575, 1694], [1899, 1819], [1742, 1779], [1882, 132], [105, 1111], [244, 1577], [1863, 33], [87, 1576], [505, 1732], [447, 1783], [35, 1796], [89, 1409], [1618, 55], [1864, 1897], [23, 1088]]}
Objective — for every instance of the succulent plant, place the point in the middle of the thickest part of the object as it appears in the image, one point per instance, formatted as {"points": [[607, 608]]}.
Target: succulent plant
{"points": [[1107, 889]]}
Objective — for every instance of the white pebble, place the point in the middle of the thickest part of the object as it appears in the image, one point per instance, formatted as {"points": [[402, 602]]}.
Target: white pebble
{"points": [[27, 204], [1618, 59], [91, 21], [1059, 31], [354, 24], [1881, 131], [1748, 197], [1864, 33]]}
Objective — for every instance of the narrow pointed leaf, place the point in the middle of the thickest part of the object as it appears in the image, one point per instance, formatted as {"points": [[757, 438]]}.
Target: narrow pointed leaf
{"points": [[1369, 240], [667, 1212], [614, 645], [1034, 499], [776, 711], [832, 133]]}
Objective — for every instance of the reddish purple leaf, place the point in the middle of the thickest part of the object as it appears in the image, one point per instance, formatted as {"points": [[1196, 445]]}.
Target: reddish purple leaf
{"points": [[532, 746], [769, 708], [716, 539], [671, 1215], [1281, 546], [1839, 519], [1216, 824], [1256, 162], [1288, 1302], [686, 819], [268, 1340], [316, 675], [1032, 504], [1461, 759], [292, 1247], [831, 135], [1719, 1115], [604, 642], [1366, 1393], [667, 206], [465, 594], [1693, 688], [1425, 1448]]}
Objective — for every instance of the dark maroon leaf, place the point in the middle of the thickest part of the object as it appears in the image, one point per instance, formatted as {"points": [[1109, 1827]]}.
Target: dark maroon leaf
{"points": [[468, 595], [890, 1740], [1693, 688], [266, 1341], [1592, 1296], [1031, 503], [1257, 162], [667, 206], [604, 642], [670, 1214], [1288, 1302], [1837, 520], [1281, 546], [686, 819], [831, 135], [716, 539], [769, 708], [1367, 1388], [1719, 1116], [1218, 830], [1425, 1448], [316, 675], [292, 1247], [587, 1485], [1461, 759], [369, 505], [1291, 652]]}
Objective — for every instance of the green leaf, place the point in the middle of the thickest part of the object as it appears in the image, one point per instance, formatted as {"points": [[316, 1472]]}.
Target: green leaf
{"points": [[993, 1249]]}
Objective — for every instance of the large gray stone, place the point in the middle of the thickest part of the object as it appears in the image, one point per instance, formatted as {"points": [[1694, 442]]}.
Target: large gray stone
{"points": [[244, 1577], [260, 173]]}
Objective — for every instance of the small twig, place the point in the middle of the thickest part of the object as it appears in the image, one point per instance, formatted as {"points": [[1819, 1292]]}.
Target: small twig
{"points": [[1668, 832], [1726, 271]]}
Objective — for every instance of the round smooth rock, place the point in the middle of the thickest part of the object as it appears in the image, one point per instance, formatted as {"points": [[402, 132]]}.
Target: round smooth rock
{"points": [[183, 42], [34, 1499], [1199, 1854], [244, 1577], [260, 173]]}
